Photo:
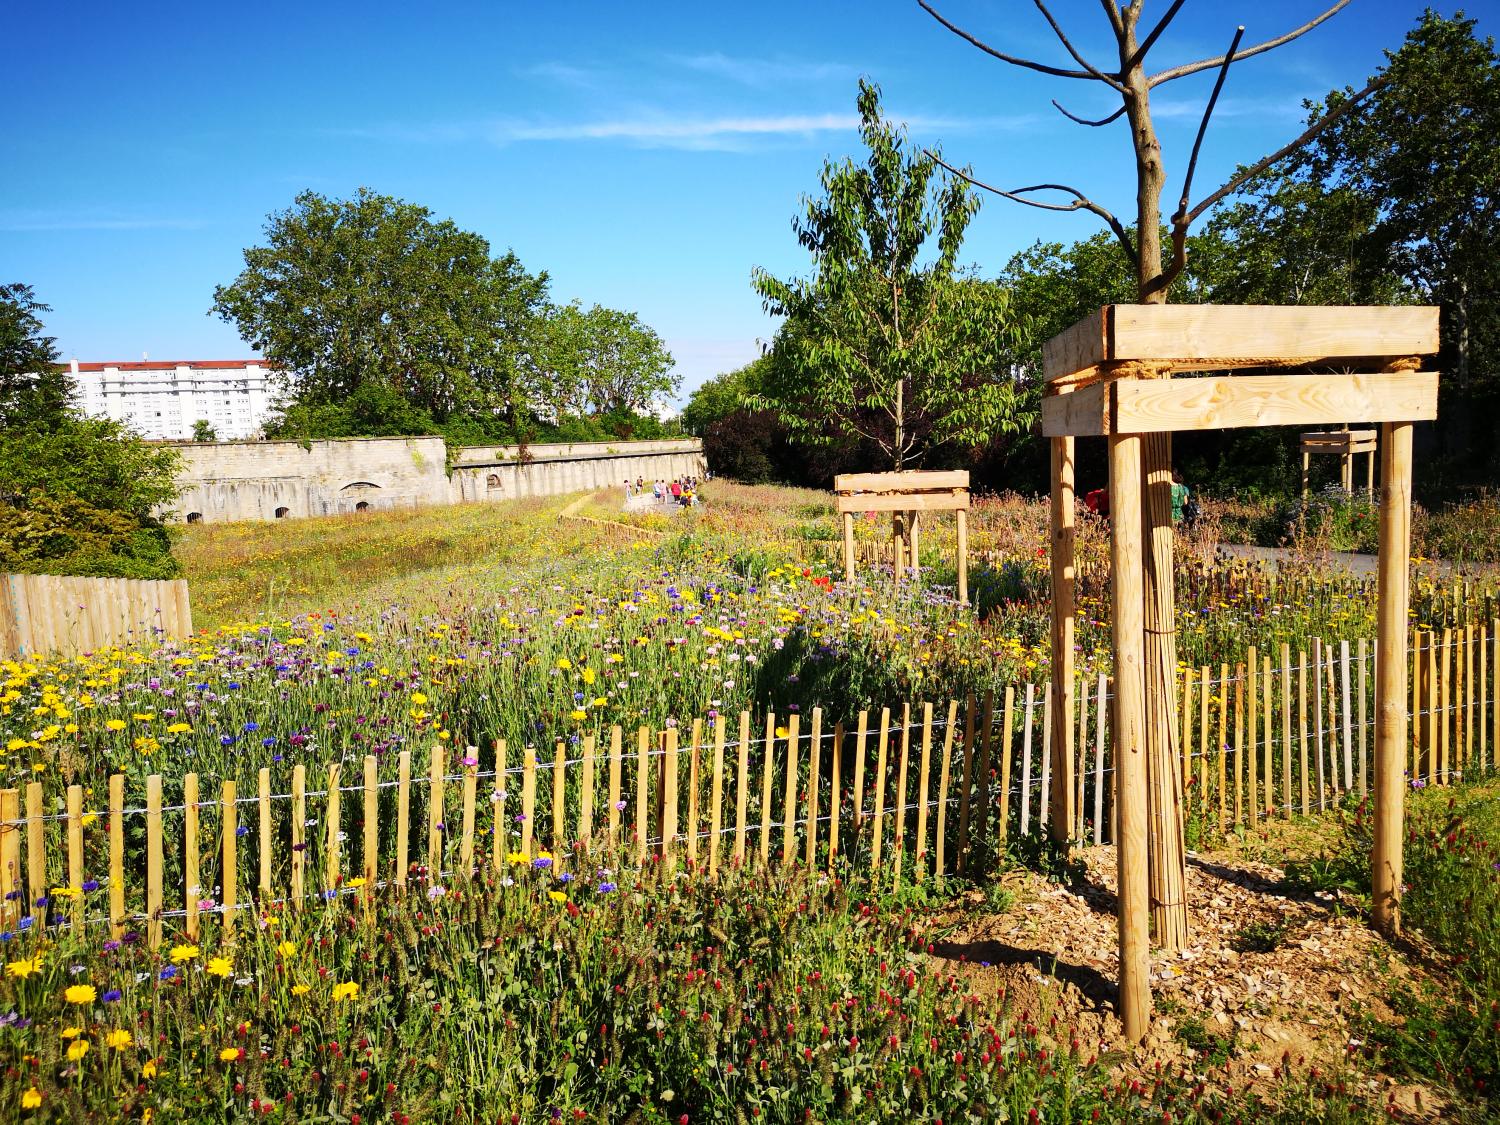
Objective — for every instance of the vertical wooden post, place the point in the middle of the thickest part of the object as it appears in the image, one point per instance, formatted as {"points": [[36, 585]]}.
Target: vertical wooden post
{"points": [[1239, 745], [470, 787], [586, 795], [192, 892], [229, 876], [965, 789], [914, 534], [1267, 773], [1205, 709], [500, 844], [742, 790], [898, 837], [369, 859], [861, 739], [813, 763], [1252, 720], [36, 848], [848, 521], [1302, 728], [403, 816], [559, 834], [1101, 712], [1390, 674], [331, 839], [767, 778], [1062, 516], [1224, 746], [264, 844], [117, 853], [979, 815], [716, 799], [944, 777], [154, 856], [1131, 785], [789, 796], [836, 794], [1025, 794], [616, 770], [1007, 724], [669, 796], [1348, 740], [437, 767], [963, 555], [695, 752], [299, 833], [882, 761]]}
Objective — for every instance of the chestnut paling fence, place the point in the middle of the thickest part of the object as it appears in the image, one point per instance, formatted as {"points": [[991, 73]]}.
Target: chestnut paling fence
{"points": [[912, 792]]}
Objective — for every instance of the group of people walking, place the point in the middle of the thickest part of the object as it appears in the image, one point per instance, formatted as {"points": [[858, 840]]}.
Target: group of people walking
{"points": [[682, 491]]}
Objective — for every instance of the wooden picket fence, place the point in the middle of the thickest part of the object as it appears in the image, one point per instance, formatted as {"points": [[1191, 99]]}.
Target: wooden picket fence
{"points": [[913, 792], [42, 614]]}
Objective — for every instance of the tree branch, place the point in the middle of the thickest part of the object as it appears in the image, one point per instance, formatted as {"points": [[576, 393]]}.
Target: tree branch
{"points": [[1241, 178], [1161, 25], [1260, 48], [1108, 79], [1080, 201], [1115, 116], [1184, 219], [1014, 60], [1179, 227]]}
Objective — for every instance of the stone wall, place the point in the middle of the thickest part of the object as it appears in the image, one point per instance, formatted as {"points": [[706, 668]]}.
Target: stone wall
{"points": [[268, 480]]}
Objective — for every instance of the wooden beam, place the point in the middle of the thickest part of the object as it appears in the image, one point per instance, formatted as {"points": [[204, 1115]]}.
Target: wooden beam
{"points": [[1210, 337], [1232, 402], [1061, 821], [904, 502], [916, 480], [1392, 585], [1080, 413]]}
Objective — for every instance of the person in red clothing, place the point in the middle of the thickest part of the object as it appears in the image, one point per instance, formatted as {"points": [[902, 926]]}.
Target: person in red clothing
{"points": [[677, 492], [1097, 502]]}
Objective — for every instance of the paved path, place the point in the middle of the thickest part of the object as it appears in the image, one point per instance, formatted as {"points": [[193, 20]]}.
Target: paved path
{"points": [[645, 502], [1363, 565]]}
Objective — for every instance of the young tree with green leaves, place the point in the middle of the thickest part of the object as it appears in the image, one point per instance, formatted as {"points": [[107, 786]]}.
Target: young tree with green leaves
{"points": [[888, 341], [36, 391]]}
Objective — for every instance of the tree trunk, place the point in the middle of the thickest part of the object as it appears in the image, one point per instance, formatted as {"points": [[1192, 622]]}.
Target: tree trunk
{"points": [[1168, 868]]}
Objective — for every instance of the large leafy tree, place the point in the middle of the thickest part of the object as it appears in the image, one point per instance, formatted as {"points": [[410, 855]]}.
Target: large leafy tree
{"points": [[36, 391], [373, 290], [602, 361], [888, 341]]}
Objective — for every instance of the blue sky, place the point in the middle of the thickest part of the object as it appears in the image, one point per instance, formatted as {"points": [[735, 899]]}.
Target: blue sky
{"points": [[646, 155]]}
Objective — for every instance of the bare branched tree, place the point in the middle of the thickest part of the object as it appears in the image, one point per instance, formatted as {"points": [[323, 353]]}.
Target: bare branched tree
{"points": [[1129, 78]]}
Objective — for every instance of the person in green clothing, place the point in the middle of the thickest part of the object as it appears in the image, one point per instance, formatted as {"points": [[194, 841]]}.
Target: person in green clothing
{"points": [[1179, 497]]}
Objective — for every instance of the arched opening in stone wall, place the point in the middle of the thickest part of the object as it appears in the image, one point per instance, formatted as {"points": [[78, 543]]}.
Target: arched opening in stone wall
{"points": [[282, 513], [362, 506], [359, 484], [492, 483], [195, 517]]}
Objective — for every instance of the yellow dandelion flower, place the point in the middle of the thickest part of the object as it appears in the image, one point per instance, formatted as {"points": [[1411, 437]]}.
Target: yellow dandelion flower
{"points": [[119, 1040], [557, 896], [219, 967], [181, 953], [349, 990], [80, 994], [149, 1070], [300, 990], [229, 1054], [77, 1049], [287, 949], [31, 1098], [24, 967]]}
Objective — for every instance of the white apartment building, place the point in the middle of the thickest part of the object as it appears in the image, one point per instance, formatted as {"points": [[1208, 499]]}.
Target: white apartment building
{"points": [[162, 399]]}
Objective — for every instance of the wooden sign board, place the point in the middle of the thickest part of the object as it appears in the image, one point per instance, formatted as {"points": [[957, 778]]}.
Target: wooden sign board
{"points": [[1340, 441], [913, 481]]}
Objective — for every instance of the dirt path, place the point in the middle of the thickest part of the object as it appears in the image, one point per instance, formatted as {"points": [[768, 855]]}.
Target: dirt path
{"points": [[1271, 975]]}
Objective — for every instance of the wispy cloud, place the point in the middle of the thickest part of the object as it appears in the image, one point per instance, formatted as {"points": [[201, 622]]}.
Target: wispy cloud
{"points": [[665, 130], [1175, 109], [766, 72], [37, 221]]}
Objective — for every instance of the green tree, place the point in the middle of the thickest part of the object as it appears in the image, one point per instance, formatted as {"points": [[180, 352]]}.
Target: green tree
{"points": [[888, 341], [36, 391], [372, 290], [603, 361], [203, 430]]}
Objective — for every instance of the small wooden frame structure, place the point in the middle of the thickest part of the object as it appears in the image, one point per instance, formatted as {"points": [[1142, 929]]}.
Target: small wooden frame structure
{"points": [[907, 495], [1346, 443], [1111, 375]]}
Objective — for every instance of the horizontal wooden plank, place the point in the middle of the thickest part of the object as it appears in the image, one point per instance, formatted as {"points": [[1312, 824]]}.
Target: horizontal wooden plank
{"points": [[1076, 348], [951, 501], [1080, 413], [910, 481], [1340, 441], [1235, 401], [1209, 337]]}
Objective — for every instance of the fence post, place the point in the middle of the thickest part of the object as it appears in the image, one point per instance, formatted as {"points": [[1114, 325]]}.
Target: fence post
{"points": [[264, 807], [153, 861], [229, 846], [116, 856], [403, 818], [370, 870], [813, 764], [299, 834], [36, 847], [190, 882], [331, 837]]}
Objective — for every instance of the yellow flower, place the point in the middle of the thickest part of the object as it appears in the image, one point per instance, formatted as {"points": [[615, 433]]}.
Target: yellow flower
{"points": [[143, 716], [31, 1098], [357, 881], [287, 949], [114, 724], [557, 896], [70, 1032], [300, 990], [149, 1070], [179, 728], [23, 968], [516, 858], [80, 994], [119, 1040], [578, 716], [564, 664], [588, 675], [181, 953], [418, 698], [229, 1054], [77, 1049], [346, 991], [219, 967]]}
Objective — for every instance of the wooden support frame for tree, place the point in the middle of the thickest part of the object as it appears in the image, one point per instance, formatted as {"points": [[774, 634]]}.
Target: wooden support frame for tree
{"points": [[1346, 444], [1131, 370], [906, 495]]}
